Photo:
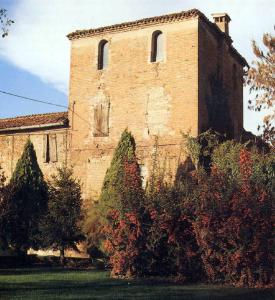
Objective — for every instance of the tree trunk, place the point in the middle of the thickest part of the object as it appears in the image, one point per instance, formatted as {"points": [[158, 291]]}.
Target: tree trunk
{"points": [[62, 256]]}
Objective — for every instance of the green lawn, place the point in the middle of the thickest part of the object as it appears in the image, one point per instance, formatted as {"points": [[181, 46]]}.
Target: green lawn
{"points": [[78, 284]]}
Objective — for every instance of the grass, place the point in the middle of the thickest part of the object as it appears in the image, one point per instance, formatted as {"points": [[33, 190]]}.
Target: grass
{"points": [[83, 284]]}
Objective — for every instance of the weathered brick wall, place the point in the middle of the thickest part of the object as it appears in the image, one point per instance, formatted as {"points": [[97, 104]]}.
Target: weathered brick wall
{"points": [[150, 99], [11, 148], [216, 61]]}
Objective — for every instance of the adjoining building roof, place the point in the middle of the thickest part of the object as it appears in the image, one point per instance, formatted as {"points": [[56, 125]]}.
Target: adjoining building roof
{"points": [[58, 119], [127, 26]]}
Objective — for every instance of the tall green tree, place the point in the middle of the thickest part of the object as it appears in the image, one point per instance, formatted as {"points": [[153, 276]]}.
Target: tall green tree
{"points": [[118, 191], [61, 227], [27, 201], [121, 191]]}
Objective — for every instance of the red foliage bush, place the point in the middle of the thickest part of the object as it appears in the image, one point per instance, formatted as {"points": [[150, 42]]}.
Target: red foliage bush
{"points": [[174, 232], [124, 232], [125, 244], [233, 228], [215, 224]]}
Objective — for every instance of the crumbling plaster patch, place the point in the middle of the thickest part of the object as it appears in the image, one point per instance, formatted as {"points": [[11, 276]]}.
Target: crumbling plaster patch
{"points": [[158, 111]]}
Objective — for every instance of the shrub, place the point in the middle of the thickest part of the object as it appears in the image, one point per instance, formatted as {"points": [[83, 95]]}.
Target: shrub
{"points": [[233, 226], [126, 243], [171, 241], [215, 222]]}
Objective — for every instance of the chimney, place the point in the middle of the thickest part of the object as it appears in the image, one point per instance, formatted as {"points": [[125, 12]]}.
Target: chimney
{"points": [[222, 21]]}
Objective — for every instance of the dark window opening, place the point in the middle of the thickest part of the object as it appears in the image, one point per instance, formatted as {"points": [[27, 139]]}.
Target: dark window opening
{"points": [[103, 49], [157, 46], [49, 148]]}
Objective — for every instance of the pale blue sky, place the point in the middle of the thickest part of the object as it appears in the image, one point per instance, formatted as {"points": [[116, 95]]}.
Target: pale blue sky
{"points": [[34, 58]]}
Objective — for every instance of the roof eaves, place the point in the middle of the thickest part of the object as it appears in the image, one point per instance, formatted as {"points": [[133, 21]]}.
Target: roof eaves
{"points": [[135, 24], [59, 119], [34, 127], [157, 20]]}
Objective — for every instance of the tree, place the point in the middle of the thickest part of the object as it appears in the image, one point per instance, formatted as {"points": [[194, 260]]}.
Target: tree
{"points": [[5, 22], [121, 206], [262, 81], [114, 193], [117, 217], [61, 227], [118, 186], [27, 201]]}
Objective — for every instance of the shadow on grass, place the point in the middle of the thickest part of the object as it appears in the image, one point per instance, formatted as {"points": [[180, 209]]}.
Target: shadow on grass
{"points": [[71, 284], [28, 271]]}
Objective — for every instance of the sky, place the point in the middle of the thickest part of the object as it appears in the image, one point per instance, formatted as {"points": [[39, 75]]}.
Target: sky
{"points": [[35, 56]]}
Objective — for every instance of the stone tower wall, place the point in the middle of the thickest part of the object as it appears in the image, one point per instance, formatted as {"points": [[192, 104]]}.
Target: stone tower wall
{"points": [[220, 80], [150, 99]]}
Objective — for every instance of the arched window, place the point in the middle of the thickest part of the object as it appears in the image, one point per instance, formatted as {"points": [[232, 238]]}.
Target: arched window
{"points": [[103, 49], [157, 46]]}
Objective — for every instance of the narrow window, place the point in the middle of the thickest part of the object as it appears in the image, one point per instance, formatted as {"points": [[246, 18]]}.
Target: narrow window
{"points": [[103, 49], [53, 148], [46, 152], [101, 119], [49, 148], [157, 46]]}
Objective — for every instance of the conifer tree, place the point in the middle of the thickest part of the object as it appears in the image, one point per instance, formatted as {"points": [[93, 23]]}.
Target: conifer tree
{"points": [[121, 191], [27, 201], [61, 227], [122, 186]]}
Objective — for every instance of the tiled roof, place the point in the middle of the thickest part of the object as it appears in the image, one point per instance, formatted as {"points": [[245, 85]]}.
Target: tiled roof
{"points": [[128, 25], [189, 14], [40, 120]]}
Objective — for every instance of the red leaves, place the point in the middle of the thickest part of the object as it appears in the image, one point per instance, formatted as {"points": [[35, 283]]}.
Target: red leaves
{"points": [[236, 237], [122, 242], [153, 214], [132, 179], [223, 229]]}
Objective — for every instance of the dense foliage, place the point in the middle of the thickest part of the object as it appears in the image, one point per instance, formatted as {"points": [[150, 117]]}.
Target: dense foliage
{"points": [[25, 202], [61, 225], [123, 228], [116, 183], [121, 192], [215, 223], [233, 222]]}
